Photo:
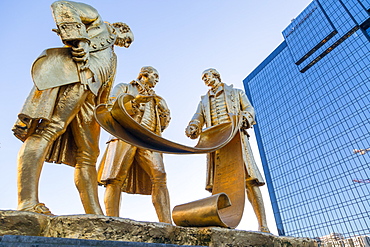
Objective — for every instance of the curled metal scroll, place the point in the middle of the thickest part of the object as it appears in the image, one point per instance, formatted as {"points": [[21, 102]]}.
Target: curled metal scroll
{"points": [[203, 212], [119, 123], [225, 207]]}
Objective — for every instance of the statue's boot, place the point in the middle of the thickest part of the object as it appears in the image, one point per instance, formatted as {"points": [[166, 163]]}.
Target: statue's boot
{"points": [[31, 158], [86, 182], [255, 198], [112, 198], [161, 200], [264, 229]]}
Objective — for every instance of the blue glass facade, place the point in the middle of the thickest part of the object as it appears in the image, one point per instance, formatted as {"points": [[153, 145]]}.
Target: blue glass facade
{"points": [[312, 98]]}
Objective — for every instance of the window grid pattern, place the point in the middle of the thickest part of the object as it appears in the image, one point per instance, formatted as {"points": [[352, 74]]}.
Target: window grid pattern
{"points": [[309, 123], [366, 4], [342, 22], [300, 30], [357, 10]]}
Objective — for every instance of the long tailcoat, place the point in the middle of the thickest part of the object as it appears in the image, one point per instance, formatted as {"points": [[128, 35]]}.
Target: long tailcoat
{"points": [[236, 103]]}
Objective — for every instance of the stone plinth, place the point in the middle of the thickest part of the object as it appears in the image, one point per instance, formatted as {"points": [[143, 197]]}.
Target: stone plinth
{"points": [[94, 227]]}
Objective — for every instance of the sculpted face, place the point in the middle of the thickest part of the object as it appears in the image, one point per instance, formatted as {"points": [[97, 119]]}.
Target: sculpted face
{"points": [[151, 79], [210, 79]]}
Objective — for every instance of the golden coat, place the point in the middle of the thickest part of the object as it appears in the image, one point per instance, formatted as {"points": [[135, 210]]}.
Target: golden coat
{"points": [[137, 180]]}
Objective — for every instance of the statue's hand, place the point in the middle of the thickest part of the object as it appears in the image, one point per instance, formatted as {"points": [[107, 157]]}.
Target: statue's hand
{"points": [[81, 53], [246, 124], [192, 131]]}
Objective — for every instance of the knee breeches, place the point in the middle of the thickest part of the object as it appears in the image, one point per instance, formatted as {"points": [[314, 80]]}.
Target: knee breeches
{"points": [[74, 109]]}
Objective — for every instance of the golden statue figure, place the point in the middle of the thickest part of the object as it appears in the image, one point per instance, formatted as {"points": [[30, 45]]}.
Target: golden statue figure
{"points": [[214, 109], [57, 121], [132, 169]]}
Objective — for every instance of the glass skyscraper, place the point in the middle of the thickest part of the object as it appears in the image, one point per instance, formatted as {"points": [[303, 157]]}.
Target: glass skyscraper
{"points": [[312, 101]]}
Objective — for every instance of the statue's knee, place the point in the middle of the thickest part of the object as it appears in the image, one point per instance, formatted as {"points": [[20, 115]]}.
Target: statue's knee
{"points": [[114, 183], [87, 157], [159, 181], [51, 131]]}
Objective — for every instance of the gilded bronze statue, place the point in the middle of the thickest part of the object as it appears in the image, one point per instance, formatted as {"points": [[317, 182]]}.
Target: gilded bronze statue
{"points": [[215, 108], [122, 170], [57, 121], [132, 169]]}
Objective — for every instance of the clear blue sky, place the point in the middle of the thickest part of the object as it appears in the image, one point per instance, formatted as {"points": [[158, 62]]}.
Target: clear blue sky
{"points": [[180, 39]]}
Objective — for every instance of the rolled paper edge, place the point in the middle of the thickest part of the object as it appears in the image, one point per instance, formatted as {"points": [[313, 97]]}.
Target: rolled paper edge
{"points": [[203, 212]]}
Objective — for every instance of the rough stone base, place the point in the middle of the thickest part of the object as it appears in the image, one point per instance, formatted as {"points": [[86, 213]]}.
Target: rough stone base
{"points": [[94, 227]]}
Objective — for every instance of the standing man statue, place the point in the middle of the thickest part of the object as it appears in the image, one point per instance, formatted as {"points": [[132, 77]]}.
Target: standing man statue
{"points": [[57, 123], [131, 169], [214, 109]]}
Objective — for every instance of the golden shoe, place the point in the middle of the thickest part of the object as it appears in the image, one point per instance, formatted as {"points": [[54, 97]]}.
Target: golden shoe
{"points": [[39, 208]]}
